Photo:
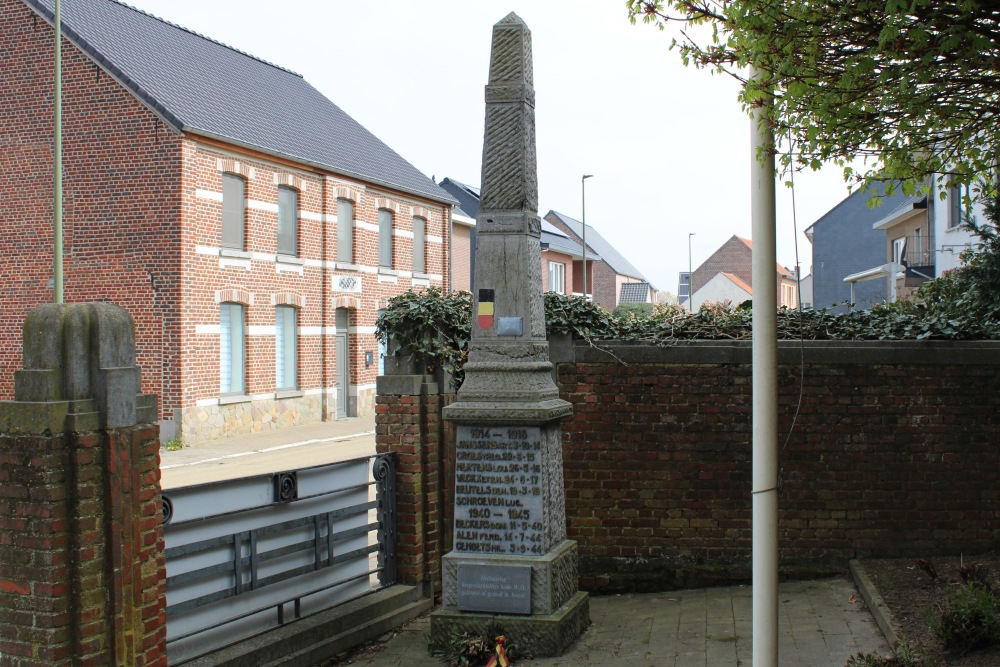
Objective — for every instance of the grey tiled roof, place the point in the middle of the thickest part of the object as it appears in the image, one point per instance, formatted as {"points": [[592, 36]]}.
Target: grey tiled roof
{"points": [[555, 239], [607, 251], [201, 86], [634, 293], [467, 196]]}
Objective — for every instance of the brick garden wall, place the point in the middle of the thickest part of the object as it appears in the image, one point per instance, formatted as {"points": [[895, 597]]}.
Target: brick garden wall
{"points": [[82, 570], [894, 453]]}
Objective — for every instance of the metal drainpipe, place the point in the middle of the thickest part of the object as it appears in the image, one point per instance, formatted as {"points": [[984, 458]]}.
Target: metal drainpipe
{"points": [[765, 386], [324, 400], [450, 250]]}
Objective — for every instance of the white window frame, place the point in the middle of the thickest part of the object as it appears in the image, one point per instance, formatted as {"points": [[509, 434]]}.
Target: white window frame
{"points": [[345, 231], [557, 277], [288, 239], [286, 344], [234, 214], [419, 244], [232, 349], [385, 242]]}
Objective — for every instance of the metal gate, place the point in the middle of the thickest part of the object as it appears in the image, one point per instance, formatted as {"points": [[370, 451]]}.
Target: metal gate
{"points": [[246, 555]]}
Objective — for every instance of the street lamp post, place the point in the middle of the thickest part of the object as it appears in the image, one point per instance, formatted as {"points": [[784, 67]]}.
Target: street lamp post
{"points": [[690, 276], [583, 197]]}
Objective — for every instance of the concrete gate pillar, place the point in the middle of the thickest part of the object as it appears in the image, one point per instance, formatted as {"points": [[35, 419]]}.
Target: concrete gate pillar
{"points": [[82, 569]]}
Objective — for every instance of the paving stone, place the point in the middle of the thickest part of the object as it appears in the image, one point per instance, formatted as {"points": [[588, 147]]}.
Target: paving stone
{"points": [[646, 630]]}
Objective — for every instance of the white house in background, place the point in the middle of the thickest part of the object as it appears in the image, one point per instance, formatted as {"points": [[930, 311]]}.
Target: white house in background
{"points": [[951, 237], [722, 287], [806, 291]]}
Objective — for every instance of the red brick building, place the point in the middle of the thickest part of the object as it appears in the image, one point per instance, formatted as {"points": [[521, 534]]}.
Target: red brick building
{"points": [[729, 271], [607, 269], [250, 226]]}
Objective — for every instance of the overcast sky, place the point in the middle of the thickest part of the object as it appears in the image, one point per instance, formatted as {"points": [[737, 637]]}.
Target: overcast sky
{"points": [[669, 146]]}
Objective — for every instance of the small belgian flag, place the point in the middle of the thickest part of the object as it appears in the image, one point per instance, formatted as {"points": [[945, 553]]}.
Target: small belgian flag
{"points": [[484, 316]]}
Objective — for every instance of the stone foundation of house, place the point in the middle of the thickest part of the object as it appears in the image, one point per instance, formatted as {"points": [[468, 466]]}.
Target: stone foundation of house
{"points": [[260, 415]]}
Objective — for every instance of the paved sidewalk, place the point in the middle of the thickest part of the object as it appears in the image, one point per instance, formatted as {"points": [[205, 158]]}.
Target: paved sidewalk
{"points": [[822, 623], [281, 449]]}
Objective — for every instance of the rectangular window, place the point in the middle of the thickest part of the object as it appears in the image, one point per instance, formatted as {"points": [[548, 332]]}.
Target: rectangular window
{"points": [[285, 344], [385, 238], [955, 207], [345, 231], [898, 250], [231, 349], [233, 211], [419, 245], [288, 221], [557, 277]]}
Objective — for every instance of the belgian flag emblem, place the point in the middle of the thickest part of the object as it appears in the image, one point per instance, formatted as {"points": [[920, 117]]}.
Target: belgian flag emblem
{"points": [[484, 316]]}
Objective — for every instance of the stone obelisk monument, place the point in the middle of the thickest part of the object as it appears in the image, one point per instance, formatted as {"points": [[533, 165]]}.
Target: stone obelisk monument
{"points": [[511, 565]]}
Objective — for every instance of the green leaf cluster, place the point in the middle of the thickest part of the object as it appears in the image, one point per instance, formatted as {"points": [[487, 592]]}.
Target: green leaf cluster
{"points": [[432, 326], [435, 327], [970, 619], [911, 87]]}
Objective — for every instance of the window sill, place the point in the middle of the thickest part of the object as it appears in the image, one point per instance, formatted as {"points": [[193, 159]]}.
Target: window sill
{"points": [[226, 399], [345, 266], [421, 276], [288, 393], [290, 259], [383, 271], [233, 252]]}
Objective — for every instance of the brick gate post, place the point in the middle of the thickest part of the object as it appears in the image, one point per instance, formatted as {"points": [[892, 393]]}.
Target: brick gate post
{"points": [[82, 570], [408, 422]]}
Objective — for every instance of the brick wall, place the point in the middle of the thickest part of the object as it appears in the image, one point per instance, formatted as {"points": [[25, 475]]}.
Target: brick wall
{"points": [[605, 285], [121, 200], [893, 453], [313, 284], [733, 256], [82, 571], [408, 422]]}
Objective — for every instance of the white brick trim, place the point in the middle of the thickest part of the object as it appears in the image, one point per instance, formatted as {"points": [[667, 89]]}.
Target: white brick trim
{"points": [[258, 205], [210, 195]]}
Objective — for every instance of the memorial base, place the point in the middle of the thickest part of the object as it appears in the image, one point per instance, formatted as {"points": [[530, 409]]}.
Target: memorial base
{"points": [[541, 635], [484, 594]]}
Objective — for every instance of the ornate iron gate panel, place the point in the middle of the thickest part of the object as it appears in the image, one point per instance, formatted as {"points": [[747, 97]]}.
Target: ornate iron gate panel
{"points": [[249, 554]]}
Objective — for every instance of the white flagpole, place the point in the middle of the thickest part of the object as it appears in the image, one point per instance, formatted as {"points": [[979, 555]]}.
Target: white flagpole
{"points": [[765, 395]]}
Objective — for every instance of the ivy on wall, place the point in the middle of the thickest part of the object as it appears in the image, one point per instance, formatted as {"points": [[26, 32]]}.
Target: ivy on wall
{"points": [[964, 304]]}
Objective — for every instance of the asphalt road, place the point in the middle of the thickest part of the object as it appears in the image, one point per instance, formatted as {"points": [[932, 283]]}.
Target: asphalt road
{"points": [[278, 450]]}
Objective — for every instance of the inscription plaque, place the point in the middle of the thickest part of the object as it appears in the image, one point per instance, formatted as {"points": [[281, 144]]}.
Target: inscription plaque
{"points": [[504, 589], [498, 490]]}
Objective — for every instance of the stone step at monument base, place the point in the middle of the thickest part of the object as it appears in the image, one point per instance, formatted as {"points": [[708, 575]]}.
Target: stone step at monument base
{"points": [[542, 636], [510, 584]]}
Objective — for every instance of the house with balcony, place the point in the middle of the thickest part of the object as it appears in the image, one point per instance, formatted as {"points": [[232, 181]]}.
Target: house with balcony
{"points": [[867, 252]]}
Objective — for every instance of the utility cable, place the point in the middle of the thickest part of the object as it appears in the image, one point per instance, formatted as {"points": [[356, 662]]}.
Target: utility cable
{"points": [[802, 328]]}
